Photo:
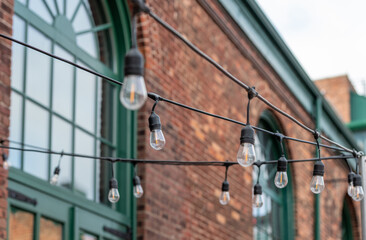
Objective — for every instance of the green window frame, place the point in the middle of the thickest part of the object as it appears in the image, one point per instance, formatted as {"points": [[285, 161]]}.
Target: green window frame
{"points": [[347, 228], [274, 220], [122, 215]]}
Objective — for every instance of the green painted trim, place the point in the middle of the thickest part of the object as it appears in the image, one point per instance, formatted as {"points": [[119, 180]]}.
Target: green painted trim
{"points": [[317, 216], [265, 38], [357, 125], [347, 228], [358, 103]]}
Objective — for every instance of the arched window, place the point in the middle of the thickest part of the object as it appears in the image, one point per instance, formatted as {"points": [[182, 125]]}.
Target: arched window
{"points": [[274, 220], [59, 107]]}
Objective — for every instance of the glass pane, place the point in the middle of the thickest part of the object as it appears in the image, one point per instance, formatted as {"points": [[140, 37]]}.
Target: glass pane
{"points": [[82, 20], [63, 75], [50, 230], [71, 7], [85, 100], [17, 61], [21, 225], [87, 236], [84, 167], [36, 133], [87, 42], [40, 9], [62, 141], [38, 67], [52, 6], [60, 4], [15, 128]]}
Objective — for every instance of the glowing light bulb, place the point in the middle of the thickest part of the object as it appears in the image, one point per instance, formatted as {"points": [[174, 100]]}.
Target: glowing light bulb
{"points": [[113, 195], [133, 92], [351, 188], [257, 200], [225, 195], [137, 188], [246, 153], [317, 182], [358, 191], [281, 178], [55, 176], [157, 140]]}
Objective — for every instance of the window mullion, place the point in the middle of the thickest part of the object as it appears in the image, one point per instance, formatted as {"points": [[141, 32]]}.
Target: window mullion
{"points": [[50, 110], [73, 129]]}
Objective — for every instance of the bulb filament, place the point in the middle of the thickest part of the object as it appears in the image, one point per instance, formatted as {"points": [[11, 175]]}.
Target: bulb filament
{"points": [[132, 96], [281, 178]]}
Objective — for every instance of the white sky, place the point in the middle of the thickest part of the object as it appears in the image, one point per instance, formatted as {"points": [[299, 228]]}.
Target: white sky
{"points": [[328, 37]]}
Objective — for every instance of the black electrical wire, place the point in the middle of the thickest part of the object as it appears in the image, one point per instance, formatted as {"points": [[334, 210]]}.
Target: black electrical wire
{"points": [[169, 162]]}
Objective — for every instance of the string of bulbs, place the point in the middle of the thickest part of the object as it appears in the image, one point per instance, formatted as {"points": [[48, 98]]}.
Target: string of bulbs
{"points": [[134, 94]]}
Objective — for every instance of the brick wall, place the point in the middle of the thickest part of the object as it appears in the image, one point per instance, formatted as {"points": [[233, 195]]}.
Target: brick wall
{"points": [[182, 202], [337, 91], [6, 16]]}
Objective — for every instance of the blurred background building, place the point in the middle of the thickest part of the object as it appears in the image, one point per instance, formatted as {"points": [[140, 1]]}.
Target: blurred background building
{"points": [[48, 104]]}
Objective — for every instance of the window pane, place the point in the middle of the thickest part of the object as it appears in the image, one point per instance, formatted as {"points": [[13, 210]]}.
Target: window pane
{"points": [[63, 84], [36, 133], [38, 67], [17, 61], [87, 42], [15, 128], [40, 9], [82, 21], [85, 100], [71, 7], [62, 141], [21, 225], [50, 230], [51, 5], [84, 167]]}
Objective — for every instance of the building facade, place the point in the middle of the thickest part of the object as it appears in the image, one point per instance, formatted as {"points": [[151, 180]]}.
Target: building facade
{"points": [[51, 105]]}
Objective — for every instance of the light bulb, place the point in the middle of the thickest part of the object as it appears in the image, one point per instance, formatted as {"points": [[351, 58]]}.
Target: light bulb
{"points": [[358, 192], [55, 176], [351, 188], [317, 184], [6, 164], [225, 195], [157, 140], [113, 195], [137, 188], [246, 152], [257, 200], [54, 179], [281, 178], [133, 92]]}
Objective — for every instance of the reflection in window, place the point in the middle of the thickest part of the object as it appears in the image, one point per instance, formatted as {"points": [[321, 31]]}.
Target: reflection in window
{"points": [[21, 225]]}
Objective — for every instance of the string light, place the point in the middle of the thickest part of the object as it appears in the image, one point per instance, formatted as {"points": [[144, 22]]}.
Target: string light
{"points": [[281, 178], [225, 195], [257, 196], [56, 171], [137, 188], [351, 188], [157, 139], [317, 182], [6, 163], [113, 194], [246, 153], [358, 192]]}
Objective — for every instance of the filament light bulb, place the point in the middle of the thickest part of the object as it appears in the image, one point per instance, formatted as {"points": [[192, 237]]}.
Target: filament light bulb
{"points": [[225, 195], [358, 192], [246, 153], [317, 182], [351, 188], [281, 178], [133, 92], [257, 200], [113, 195], [157, 139], [6, 163], [137, 188], [55, 176]]}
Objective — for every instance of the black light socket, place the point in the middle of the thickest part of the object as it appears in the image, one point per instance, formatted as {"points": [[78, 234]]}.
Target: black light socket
{"points": [[134, 63], [225, 186], [5, 157], [351, 176], [113, 183], [57, 170], [282, 164], [318, 169], [136, 181], [357, 180], [257, 189], [154, 122], [247, 135]]}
